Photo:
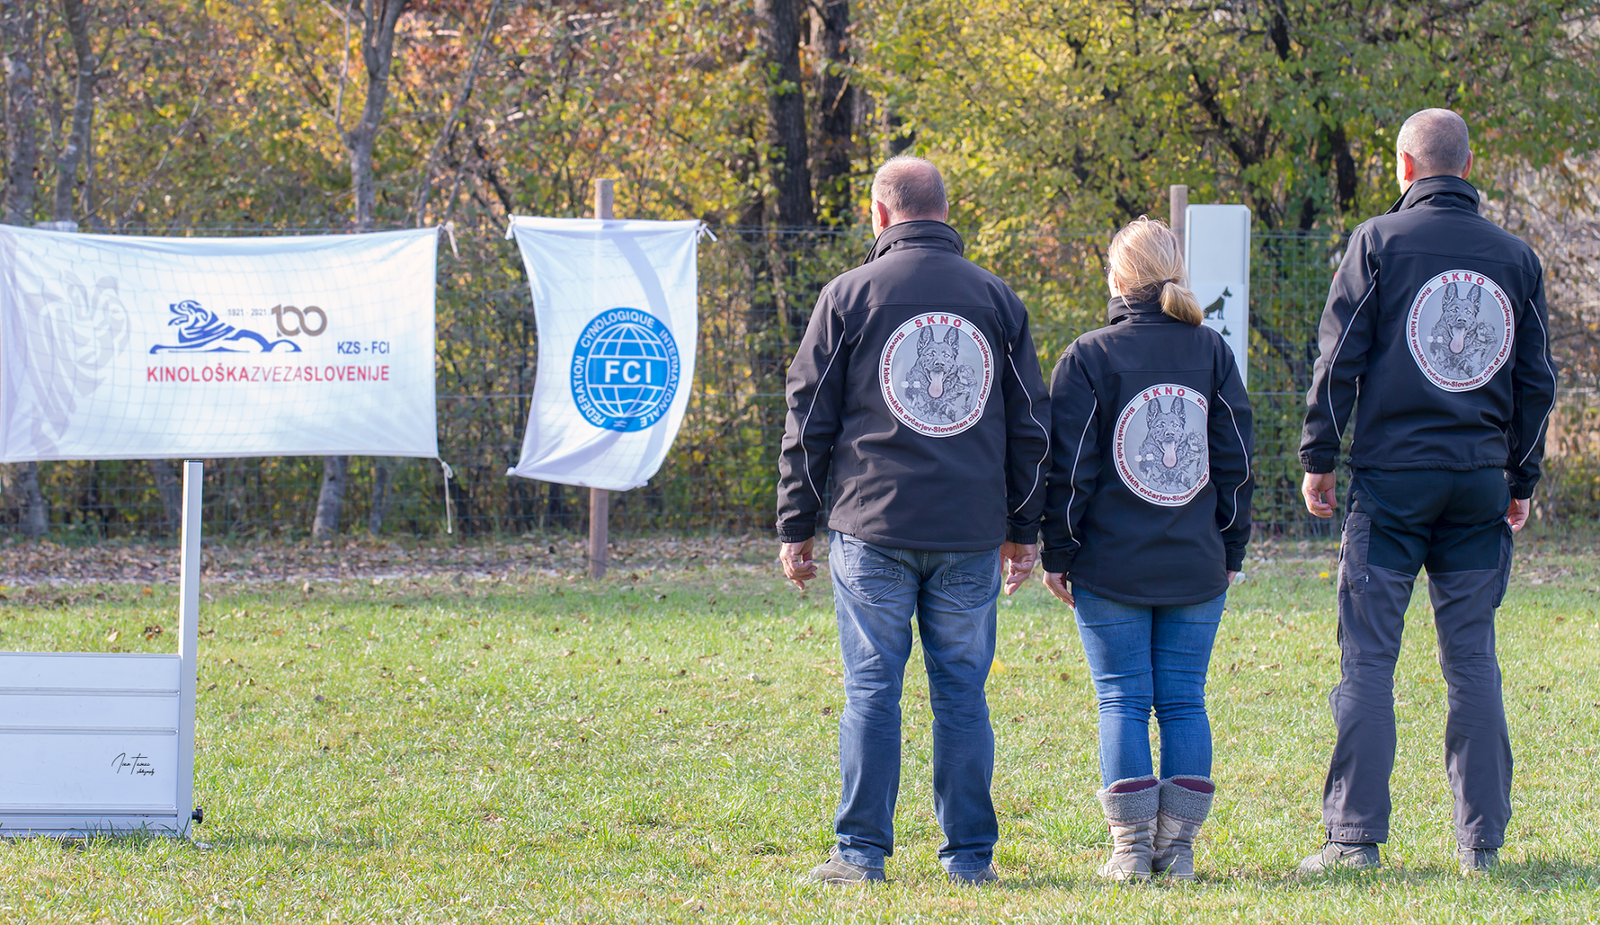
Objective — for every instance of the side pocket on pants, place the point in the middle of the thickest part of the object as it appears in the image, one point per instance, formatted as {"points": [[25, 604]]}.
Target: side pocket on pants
{"points": [[1353, 552], [1507, 545]]}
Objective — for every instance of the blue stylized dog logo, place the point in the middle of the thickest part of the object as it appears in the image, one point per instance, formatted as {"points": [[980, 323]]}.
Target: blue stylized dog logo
{"points": [[201, 331]]}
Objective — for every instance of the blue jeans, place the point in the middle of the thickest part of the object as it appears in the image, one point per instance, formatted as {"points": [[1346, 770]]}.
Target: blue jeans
{"points": [[1145, 657], [877, 591]]}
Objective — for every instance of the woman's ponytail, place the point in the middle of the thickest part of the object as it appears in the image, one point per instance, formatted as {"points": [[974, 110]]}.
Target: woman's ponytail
{"points": [[1178, 301], [1147, 264]]}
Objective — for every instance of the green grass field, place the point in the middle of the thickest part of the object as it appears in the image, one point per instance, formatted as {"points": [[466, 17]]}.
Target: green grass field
{"points": [[660, 746]]}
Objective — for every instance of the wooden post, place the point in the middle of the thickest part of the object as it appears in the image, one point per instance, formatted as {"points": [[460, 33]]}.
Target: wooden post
{"points": [[600, 498], [1179, 194]]}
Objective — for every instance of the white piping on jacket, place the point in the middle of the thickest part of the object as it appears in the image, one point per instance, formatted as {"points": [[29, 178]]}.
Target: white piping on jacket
{"points": [[1038, 471], [1333, 361], [1546, 357], [806, 422], [1073, 478], [1248, 474]]}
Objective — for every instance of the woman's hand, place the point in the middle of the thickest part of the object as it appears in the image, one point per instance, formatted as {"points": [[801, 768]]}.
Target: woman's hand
{"points": [[1057, 583]]}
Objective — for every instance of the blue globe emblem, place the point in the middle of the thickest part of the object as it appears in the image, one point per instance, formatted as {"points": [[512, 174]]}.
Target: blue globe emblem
{"points": [[624, 370]]}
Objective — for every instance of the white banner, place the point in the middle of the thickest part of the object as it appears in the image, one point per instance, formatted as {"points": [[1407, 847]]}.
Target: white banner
{"points": [[615, 305], [118, 347]]}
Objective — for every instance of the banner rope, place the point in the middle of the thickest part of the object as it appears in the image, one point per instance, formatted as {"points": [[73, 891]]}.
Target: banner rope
{"points": [[449, 508]]}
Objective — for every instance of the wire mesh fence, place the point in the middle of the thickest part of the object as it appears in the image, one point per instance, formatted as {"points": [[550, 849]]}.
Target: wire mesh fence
{"points": [[757, 287]]}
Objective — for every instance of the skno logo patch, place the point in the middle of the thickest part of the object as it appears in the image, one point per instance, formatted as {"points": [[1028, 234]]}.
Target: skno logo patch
{"points": [[1460, 329], [1160, 448], [625, 370], [936, 373]]}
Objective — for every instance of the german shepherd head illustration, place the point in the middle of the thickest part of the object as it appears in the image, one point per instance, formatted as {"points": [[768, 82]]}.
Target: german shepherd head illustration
{"points": [[1170, 456], [940, 387], [937, 359], [1461, 343]]}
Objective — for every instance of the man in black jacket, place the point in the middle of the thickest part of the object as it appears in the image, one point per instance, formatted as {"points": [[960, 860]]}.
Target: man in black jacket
{"points": [[917, 388], [1436, 319]]}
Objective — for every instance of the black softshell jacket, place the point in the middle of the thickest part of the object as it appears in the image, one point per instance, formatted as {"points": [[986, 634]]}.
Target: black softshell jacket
{"points": [[917, 385], [1148, 499], [1436, 321]]}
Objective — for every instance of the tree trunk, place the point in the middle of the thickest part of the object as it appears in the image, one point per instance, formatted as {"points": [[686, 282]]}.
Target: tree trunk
{"points": [[35, 512], [378, 21], [170, 490], [779, 24], [835, 110], [330, 500], [17, 26], [381, 476], [73, 151]]}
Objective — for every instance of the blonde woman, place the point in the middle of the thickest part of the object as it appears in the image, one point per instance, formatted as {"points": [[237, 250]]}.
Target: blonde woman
{"points": [[1146, 516]]}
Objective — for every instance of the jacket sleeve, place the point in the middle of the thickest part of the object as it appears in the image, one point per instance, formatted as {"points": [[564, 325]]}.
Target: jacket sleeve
{"points": [[1074, 461], [1231, 437], [815, 389], [1533, 395], [1348, 323], [1027, 437]]}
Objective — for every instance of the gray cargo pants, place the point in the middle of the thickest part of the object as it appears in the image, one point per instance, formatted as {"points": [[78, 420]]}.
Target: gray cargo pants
{"points": [[1454, 524]]}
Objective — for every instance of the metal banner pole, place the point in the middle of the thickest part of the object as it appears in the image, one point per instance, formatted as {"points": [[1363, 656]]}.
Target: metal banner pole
{"points": [[600, 498], [188, 640]]}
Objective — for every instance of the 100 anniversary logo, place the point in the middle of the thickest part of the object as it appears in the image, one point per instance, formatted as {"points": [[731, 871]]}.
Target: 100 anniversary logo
{"points": [[625, 370]]}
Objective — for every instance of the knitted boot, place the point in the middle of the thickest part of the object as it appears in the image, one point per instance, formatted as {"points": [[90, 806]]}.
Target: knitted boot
{"points": [[1130, 805], [1185, 803]]}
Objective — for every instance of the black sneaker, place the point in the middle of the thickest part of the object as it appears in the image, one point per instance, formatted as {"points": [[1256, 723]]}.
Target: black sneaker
{"points": [[836, 870], [1477, 860], [973, 877], [1336, 855]]}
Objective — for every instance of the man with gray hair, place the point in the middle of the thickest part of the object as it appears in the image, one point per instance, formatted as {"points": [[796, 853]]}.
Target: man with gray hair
{"points": [[1436, 319], [916, 387]]}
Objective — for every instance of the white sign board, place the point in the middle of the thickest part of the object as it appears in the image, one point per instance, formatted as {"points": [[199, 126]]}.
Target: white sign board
{"points": [[117, 347], [104, 742], [615, 302], [1217, 253]]}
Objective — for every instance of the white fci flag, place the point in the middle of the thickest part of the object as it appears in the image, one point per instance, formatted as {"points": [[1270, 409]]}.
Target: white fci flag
{"points": [[116, 347], [615, 302]]}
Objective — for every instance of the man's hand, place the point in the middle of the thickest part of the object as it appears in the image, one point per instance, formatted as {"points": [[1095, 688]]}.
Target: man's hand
{"points": [[1057, 583], [798, 566], [1319, 494], [1517, 512], [1019, 560]]}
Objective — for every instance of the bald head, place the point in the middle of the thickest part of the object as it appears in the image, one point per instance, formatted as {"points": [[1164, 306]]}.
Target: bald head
{"points": [[910, 188], [1436, 140]]}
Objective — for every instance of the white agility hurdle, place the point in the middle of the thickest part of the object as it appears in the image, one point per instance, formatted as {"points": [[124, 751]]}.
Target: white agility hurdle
{"points": [[95, 743]]}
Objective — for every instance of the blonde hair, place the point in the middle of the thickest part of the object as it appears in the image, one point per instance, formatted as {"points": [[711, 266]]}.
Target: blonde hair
{"points": [[1147, 263]]}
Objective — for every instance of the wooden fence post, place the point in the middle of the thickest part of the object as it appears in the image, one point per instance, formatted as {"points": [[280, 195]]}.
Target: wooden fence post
{"points": [[1179, 195], [600, 498]]}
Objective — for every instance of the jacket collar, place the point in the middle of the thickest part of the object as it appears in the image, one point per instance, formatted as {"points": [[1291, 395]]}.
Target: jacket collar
{"points": [[1447, 191], [1122, 309], [917, 233]]}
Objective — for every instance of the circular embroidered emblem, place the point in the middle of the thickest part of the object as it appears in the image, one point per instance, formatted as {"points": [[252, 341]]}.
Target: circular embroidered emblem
{"points": [[1460, 329], [1160, 445], [936, 372], [624, 370]]}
